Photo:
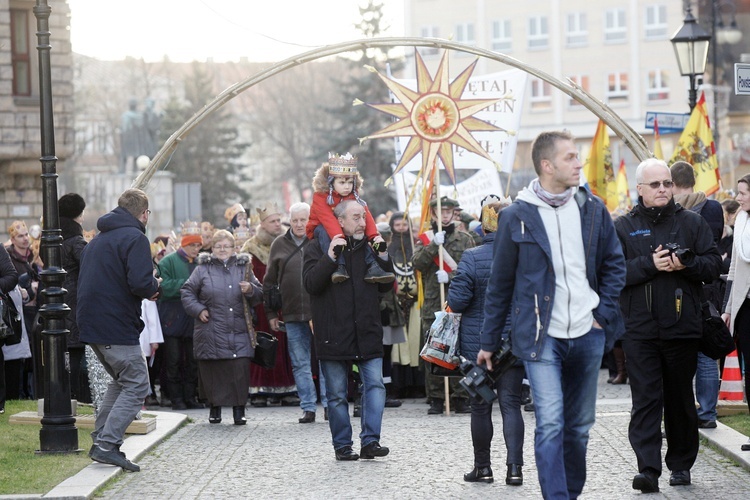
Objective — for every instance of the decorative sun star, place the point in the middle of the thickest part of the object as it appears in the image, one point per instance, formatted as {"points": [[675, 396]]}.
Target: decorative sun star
{"points": [[435, 117]]}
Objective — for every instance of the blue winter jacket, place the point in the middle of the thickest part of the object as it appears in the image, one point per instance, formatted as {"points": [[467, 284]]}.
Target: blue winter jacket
{"points": [[116, 274], [522, 280], [466, 294]]}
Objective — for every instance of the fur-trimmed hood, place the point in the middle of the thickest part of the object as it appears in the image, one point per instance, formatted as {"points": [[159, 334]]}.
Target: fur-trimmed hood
{"points": [[241, 259], [320, 180]]}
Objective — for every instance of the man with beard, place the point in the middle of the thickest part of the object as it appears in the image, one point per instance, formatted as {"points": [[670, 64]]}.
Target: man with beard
{"points": [[278, 382]]}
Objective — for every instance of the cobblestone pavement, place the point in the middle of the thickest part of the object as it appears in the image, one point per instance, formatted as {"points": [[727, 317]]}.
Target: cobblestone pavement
{"points": [[273, 456]]}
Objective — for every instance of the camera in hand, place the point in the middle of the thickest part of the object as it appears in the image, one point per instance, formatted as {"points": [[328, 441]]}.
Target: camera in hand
{"points": [[478, 381], [684, 254]]}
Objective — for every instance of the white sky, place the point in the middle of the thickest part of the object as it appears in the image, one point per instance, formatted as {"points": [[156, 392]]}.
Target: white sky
{"points": [[225, 30]]}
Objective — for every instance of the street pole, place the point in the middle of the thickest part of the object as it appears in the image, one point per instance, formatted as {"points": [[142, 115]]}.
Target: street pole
{"points": [[58, 433], [715, 79]]}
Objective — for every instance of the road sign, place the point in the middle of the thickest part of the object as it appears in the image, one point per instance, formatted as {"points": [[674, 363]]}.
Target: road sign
{"points": [[668, 122], [741, 79]]}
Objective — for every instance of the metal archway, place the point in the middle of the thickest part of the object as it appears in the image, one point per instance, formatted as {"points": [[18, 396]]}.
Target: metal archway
{"points": [[625, 132]]}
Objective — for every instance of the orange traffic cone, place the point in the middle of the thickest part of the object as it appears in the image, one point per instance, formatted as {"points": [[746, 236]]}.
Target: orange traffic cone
{"points": [[731, 380]]}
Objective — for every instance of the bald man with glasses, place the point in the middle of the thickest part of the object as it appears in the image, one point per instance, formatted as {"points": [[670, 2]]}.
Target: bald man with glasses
{"points": [[669, 253]]}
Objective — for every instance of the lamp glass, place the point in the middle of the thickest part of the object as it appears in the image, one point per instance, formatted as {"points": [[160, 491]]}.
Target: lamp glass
{"points": [[691, 56]]}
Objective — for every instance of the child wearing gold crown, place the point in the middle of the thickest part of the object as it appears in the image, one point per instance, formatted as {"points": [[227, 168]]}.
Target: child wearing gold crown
{"points": [[334, 182]]}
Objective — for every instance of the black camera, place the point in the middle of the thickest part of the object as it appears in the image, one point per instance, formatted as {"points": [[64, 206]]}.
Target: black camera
{"points": [[478, 381], [684, 254]]}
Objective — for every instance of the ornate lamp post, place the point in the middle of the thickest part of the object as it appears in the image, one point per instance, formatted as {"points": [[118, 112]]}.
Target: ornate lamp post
{"points": [[691, 43], [58, 433]]}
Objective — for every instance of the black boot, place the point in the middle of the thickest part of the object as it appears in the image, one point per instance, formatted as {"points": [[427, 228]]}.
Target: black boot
{"points": [[340, 274], [239, 415], [479, 475], [514, 477], [214, 415], [375, 274]]}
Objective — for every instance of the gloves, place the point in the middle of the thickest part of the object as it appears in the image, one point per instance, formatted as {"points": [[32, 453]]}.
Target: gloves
{"points": [[380, 247], [442, 276], [439, 238]]}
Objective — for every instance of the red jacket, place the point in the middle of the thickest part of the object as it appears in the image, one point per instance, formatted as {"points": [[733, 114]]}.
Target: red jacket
{"points": [[322, 213]]}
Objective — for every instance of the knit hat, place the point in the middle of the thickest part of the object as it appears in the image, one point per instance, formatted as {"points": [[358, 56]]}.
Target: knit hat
{"points": [[187, 239], [70, 205], [384, 229], [16, 227]]}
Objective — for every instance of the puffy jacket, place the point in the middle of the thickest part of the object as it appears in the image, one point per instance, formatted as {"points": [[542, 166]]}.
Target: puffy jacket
{"points": [[116, 275], [466, 294], [72, 247], [214, 285], [346, 315], [295, 300], [659, 304], [523, 280]]}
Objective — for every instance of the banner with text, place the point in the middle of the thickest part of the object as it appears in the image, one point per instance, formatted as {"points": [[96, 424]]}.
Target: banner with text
{"points": [[475, 176]]}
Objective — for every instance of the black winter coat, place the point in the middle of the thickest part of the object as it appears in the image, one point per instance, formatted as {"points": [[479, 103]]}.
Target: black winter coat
{"points": [[346, 315], [659, 304], [72, 247], [116, 275]]}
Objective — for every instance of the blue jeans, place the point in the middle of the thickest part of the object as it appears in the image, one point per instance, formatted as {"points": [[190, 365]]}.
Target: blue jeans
{"points": [[373, 400], [707, 383], [563, 384], [299, 336]]}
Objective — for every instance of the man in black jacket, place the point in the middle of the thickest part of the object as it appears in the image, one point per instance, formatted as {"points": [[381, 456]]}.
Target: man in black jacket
{"points": [[116, 275], [346, 320], [669, 253]]}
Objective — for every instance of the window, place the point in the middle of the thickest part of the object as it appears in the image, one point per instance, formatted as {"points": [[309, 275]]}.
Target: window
{"points": [[617, 87], [656, 22], [658, 86], [538, 33], [430, 32], [501, 36], [615, 30], [465, 34], [541, 95], [576, 33], [20, 52], [583, 82]]}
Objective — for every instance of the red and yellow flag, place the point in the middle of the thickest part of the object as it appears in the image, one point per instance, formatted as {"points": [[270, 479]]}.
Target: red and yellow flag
{"points": [[697, 147], [658, 152], [623, 190], [598, 168]]}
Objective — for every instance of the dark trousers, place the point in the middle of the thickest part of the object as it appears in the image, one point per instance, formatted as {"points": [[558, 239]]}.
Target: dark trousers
{"points": [[182, 370], [79, 375], [661, 381], [508, 388], [2, 379], [742, 333]]}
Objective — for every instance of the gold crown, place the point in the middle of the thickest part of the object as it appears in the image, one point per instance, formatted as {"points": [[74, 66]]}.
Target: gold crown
{"points": [[342, 166], [267, 210], [190, 227], [230, 212], [241, 234], [157, 248]]}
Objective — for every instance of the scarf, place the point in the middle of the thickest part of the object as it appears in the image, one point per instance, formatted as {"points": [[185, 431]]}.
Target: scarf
{"points": [[553, 200], [742, 235]]}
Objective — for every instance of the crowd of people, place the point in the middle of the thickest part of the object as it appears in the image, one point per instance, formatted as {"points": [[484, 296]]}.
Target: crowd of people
{"points": [[351, 296]]}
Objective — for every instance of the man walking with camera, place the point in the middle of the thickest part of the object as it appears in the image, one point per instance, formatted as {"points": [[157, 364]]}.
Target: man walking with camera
{"points": [[670, 253], [557, 270]]}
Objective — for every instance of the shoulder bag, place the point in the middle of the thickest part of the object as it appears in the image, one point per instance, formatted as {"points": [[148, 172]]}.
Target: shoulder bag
{"points": [[717, 340], [11, 328]]}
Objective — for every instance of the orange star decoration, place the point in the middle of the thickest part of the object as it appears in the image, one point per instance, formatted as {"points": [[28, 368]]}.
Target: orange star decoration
{"points": [[435, 117]]}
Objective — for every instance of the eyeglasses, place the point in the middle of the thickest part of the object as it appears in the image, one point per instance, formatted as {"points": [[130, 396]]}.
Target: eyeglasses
{"points": [[223, 247], [655, 185]]}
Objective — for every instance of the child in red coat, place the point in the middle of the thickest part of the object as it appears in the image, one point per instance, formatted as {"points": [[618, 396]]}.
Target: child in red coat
{"points": [[334, 182]]}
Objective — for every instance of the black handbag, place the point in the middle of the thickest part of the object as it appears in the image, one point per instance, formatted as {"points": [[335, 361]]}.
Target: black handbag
{"points": [[265, 350], [717, 340], [11, 328]]}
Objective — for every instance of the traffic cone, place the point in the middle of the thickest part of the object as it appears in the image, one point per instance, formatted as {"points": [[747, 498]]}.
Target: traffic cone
{"points": [[731, 380]]}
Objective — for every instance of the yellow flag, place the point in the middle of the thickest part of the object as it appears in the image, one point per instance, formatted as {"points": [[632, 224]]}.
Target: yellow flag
{"points": [[658, 153], [623, 190], [697, 147], [598, 168]]}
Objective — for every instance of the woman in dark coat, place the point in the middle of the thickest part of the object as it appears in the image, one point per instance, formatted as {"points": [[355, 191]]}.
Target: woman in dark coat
{"points": [[466, 296], [71, 207], [215, 294], [8, 281]]}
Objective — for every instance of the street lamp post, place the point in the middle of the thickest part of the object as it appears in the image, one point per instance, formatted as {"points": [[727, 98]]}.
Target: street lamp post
{"points": [[58, 433], [690, 44]]}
